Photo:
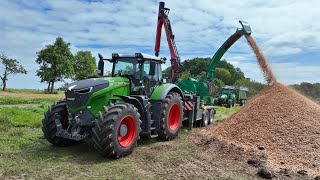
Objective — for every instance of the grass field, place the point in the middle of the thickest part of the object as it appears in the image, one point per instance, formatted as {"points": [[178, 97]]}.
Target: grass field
{"points": [[25, 154]]}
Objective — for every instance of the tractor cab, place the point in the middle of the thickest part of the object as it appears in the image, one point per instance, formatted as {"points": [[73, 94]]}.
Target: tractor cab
{"points": [[227, 91], [143, 71]]}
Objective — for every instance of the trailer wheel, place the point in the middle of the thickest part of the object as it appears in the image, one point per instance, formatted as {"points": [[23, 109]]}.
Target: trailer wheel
{"points": [[205, 117], [49, 126], [211, 116], [171, 116], [117, 130]]}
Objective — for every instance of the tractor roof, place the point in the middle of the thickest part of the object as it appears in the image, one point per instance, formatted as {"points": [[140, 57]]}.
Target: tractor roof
{"points": [[139, 55], [241, 88], [229, 87]]}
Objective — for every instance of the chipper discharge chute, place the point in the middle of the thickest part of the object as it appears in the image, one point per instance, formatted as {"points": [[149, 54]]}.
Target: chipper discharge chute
{"points": [[206, 88]]}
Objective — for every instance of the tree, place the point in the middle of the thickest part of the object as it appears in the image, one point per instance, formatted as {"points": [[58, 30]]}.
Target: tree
{"points": [[85, 65], [11, 66], [218, 85], [56, 63], [202, 75], [254, 87], [310, 90], [224, 75], [185, 75]]}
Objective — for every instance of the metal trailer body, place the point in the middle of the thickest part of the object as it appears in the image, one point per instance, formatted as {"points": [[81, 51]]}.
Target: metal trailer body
{"points": [[195, 111], [241, 95]]}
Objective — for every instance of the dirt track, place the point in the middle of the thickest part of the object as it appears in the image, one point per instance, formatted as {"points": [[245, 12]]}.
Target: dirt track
{"points": [[171, 161]]}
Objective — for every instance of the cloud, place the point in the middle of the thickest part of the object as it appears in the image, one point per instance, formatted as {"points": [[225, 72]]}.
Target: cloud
{"points": [[283, 30]]}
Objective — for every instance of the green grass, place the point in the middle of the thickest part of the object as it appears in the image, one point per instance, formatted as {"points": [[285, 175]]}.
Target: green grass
{"points": [[19, 100], [23, 117], [26, 116], [24, 153], [224, 112]]}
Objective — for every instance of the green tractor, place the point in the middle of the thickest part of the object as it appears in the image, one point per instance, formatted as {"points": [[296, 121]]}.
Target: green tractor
{"points": [[227, 97], [231, 95], [115, 111]]}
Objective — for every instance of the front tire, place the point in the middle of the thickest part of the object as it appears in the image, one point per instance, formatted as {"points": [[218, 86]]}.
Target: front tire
{"points": [[117, 130], [229, 103], [49, 126], [171, 116]]}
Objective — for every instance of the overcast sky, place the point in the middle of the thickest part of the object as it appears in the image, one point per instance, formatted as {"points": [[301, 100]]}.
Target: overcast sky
{"points": [[286, 31]]}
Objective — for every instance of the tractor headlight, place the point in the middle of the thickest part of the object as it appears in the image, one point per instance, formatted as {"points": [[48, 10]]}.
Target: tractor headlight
{"points": [[83, 91]]}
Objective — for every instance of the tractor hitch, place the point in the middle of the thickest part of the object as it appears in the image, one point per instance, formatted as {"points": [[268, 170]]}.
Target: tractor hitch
{"points": [[76, 133]]}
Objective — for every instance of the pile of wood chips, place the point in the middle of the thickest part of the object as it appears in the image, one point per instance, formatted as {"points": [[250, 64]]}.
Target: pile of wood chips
{"points": [[282, 123]]}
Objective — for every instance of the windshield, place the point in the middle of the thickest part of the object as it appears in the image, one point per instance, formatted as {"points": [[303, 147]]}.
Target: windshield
{"points": [[226, 91], [125, 67]]}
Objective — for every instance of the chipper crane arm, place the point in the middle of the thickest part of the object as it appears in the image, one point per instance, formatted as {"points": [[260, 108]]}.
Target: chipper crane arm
{"points": [[163, 20], [205, 89], [225, 46]]}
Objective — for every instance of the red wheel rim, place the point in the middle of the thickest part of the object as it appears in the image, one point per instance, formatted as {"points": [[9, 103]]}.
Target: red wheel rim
{"points": [[174, 117], [127, 131]]}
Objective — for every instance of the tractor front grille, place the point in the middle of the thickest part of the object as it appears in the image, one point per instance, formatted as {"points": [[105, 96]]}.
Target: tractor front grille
{"points": [[75, 100], [79, 97]]}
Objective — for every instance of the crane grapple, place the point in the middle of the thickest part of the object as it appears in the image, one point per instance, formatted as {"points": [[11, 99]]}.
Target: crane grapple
{"points": [[163, 20]]}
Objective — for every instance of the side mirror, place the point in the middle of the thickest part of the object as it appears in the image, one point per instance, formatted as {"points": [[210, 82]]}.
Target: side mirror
{"points": [[152, 71], [100, 57], [100, 65]]}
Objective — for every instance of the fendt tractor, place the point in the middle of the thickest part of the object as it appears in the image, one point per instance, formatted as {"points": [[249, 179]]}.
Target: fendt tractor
{"points": [[116, 110], [231, 95]]}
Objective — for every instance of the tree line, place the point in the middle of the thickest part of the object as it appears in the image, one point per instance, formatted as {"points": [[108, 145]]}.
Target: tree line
{"points": [[308, 89]]}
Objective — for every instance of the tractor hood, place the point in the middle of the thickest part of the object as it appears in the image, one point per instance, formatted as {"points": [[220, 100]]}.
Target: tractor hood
{"points": [[78, 93], [223, 96], [86, 85]]}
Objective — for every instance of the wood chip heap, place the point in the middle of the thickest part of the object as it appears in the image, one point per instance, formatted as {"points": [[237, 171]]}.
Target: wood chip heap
{"points": [[281, 122]]}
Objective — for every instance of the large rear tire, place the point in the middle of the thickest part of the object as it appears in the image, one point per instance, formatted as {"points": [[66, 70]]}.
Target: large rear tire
{"points": [[49, 126], [117, 130], [171, 116]]}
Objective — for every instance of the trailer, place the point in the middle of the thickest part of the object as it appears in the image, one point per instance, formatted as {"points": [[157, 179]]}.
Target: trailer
{"points": [[196, 113]]}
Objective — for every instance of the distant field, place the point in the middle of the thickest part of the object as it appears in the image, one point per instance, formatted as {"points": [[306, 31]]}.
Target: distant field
{"points": [[31, 91], [25, 154], [30, 94]]}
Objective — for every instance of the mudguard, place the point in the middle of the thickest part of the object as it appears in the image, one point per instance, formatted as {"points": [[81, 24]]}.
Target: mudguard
{"points": [[134, 101], [162, 91]]}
